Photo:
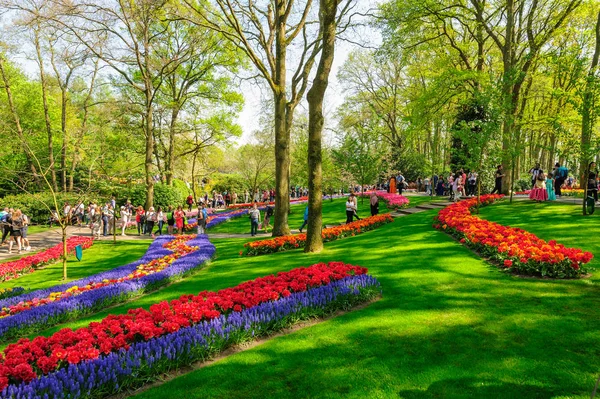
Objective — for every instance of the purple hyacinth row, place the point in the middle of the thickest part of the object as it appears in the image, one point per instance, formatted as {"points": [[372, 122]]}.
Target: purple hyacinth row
{"points": [[106, 374], [56, 312], [154, 251]]}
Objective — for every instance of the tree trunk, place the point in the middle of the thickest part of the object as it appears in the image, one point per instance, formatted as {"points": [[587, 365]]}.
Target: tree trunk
{"points": [[169, 167], [15, 115], [587, 119], [64, 249], [149, 153], [282, 133], [65, 139], [327, 12], [45, 104]]}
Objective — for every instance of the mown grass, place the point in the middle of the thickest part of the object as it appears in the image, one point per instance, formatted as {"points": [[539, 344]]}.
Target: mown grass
{"points": [[449, 325], [101, 256], [334, 212]]}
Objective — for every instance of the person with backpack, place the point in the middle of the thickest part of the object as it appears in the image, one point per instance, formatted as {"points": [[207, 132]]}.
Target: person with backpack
{"points": [[201, 219], [4, 216], [560, 175], [268, 214], [254, 219], [189, 201], [15, 232], [151, 219]]}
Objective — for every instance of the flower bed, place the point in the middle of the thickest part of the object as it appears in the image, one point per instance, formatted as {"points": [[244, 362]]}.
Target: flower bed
{"points": [[27, 264], [514, 249], [392, 200], [10, 292], [167, 259], [124, 350], [279, 244]]}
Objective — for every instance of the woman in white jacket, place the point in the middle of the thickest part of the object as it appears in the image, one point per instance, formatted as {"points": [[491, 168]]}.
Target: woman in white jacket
{"points": [[125, 215]]}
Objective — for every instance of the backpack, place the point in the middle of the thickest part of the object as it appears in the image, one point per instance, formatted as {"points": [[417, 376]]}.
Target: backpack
{"points": [[269, 211], [563, 172], [17, 223]]}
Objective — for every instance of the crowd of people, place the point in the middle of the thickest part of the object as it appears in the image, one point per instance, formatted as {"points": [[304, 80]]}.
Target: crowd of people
{"points": [[548, 185], [14, 229]]}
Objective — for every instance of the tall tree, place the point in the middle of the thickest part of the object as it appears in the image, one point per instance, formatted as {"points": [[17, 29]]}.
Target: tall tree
{"points": [[265, 32], [328, 10]]}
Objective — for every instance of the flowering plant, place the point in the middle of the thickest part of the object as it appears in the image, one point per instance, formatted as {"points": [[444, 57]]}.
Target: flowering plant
{"points": [[27, 264], [10, 292], [514, 249], [168, 258], [28, 361], [392, 200], [285, 243]]}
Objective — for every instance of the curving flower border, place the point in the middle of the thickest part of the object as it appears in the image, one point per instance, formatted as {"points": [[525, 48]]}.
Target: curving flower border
{"points": [[514, 249], [54, 312], [285, 243], [115, 352], [28, 264]]}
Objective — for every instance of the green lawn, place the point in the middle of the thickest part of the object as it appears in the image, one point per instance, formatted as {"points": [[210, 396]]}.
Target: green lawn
{"points": [[103, 255], [334, 212], [449, 325]]}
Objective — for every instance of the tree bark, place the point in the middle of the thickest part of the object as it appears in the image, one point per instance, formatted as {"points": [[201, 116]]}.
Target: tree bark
{"points": [[149, 152], [282, 134], [587, 120], [328, 25]]}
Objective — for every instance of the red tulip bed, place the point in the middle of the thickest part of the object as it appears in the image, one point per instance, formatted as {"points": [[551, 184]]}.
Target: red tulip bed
{"points": [[512, 248], [279, 244], [124, 351], [28, 264]]}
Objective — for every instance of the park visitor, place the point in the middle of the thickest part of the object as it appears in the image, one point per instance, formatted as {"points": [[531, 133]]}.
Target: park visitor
{"points": [[178, 215], [472, 183], [550, 181], [124, 219], [160, 219], [4, 216], [350, 208], [150, 220], [201, 219], [374, 203], [534, 174], [139, 219], [268, 214], [170, 220], [539, 192], [24, 229], [254, 219], [498, 180], [305, 222], [592, 180], [15, 232], [189, 201], [95, 218], [561, 173], [400, 182]]}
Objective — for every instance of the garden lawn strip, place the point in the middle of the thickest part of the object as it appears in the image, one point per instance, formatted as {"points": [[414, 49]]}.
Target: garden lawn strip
{"points": [[28, 264], [103, 255]]}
